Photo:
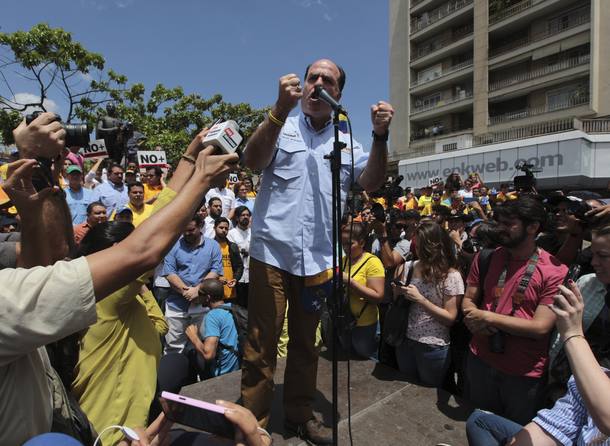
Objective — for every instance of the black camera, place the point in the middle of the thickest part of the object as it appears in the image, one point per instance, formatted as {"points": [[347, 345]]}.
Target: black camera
{"points": [[77, 135], [497, 342], [579, 210], [527, 182], [391, 190]]}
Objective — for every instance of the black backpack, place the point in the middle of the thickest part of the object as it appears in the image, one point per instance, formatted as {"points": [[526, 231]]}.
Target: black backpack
{"points": [[240, 319]]}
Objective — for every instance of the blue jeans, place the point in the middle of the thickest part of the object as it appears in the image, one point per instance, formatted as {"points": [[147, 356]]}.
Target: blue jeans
{"points": [[488, 429], [423, 363], [364, 341]]}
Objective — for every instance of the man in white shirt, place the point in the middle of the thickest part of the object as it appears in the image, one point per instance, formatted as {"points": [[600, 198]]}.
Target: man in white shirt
{"points": [[240, 235], [226, 195]]}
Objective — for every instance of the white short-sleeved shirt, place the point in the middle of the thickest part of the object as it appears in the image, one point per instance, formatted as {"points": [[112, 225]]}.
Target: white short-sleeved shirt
{"points": [[422, 326], [291, 227], [39, 306]]}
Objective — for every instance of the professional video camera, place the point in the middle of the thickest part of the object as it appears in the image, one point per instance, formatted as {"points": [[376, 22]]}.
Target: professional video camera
{"points": [[527, 182], [77, 135], [391, 190]]}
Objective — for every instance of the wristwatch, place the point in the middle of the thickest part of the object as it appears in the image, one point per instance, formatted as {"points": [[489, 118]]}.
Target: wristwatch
{"points": [[380, 138]]}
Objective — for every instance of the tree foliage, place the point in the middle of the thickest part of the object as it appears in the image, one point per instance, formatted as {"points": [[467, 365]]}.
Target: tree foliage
{"points": [[168, 117], [50, 63], [53, 64]]}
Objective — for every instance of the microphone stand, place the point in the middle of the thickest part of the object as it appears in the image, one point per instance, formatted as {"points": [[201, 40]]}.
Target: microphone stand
{"points": [[336, 307]]}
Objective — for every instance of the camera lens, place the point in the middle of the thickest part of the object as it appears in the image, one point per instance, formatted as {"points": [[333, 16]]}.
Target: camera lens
{"points": [[77, 135]]}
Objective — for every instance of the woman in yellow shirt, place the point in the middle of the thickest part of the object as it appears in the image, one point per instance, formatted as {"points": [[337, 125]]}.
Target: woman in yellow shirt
{"points": [[363, 275], [116, 373]]}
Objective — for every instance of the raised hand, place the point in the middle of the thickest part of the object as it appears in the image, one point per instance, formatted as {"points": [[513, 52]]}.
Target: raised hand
{"points": [[44, 137], [289, 94], [381, 117]]}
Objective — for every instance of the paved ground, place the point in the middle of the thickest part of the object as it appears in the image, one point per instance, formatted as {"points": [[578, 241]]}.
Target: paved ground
{"points": [[385, 409]]}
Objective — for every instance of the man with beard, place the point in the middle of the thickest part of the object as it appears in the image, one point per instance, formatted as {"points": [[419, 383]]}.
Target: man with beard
{"points": [[240, 235], [509, 316], [214, 213], [192, 259]]}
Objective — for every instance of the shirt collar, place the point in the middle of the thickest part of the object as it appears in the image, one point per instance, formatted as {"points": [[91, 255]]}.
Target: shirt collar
{"points": [[307, 121], [201, 242]]}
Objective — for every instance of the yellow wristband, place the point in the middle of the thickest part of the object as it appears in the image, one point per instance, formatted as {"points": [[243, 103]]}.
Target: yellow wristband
{"points": [[274, 119]]}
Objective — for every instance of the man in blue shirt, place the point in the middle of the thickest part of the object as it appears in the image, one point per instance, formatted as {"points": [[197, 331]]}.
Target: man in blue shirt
{"points": [[292, 235], [220, 345], [77, 197], [192, 259], [112, 193]]}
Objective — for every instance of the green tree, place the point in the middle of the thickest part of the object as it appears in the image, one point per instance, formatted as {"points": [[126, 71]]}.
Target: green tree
{"points": [[52, 64], [49, 63], [168, 117]]}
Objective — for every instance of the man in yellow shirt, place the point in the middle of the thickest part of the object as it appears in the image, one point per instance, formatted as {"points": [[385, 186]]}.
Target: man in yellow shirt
{"points": [[141, 211], [232, 264], [153, 184], [425, 201]]}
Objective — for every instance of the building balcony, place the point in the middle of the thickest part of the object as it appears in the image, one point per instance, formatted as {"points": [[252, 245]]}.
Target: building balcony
{"points": [[577, 100], [431, 17], [510, 20], [510, 11], [457, 103], [445, 141], [525, 131], [435, 50], [581, 18], [464, 66], [520, 78]]}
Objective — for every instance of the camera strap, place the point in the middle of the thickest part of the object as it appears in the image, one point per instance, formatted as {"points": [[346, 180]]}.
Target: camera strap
{"points": [[366, 304], [519, 296]]}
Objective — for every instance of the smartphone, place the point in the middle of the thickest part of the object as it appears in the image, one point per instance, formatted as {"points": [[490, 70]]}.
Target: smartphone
{"points": [[204, 416], [398, 282], [573, 274]]}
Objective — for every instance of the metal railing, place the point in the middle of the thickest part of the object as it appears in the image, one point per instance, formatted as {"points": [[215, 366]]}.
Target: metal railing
{"points": [[448, 71], [414, 3], [574, 21], [431, 17], [561, 65], [595, 125], [443, 102], [436, 45], [527, 131], [575, 101], [422, 147], [510, 11]]}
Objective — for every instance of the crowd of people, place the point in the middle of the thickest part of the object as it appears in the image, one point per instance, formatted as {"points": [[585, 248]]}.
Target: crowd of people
{"points": [[121, 283]]}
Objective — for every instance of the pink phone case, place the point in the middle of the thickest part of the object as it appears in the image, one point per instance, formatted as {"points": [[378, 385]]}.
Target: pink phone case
{"points": [[193, 402]]}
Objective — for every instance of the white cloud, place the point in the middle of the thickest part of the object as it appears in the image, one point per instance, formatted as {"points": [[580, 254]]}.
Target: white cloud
{"points": [[101, 5], [318, 4], [123, 3], [28, 98]]}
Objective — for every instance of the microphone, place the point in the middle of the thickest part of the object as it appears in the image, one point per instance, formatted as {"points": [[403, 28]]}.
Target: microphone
{"points": [[321, 93]]}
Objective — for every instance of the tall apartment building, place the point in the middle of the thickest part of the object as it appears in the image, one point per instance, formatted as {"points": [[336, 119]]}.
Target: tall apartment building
{"points": [[470, 77]]}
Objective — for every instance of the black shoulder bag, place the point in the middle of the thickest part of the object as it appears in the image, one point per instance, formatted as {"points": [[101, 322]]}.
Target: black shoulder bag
{"points": [[397, 317]]}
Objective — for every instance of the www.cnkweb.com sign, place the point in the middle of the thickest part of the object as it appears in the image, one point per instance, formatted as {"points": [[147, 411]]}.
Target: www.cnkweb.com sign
{"points": [[482, 168]]}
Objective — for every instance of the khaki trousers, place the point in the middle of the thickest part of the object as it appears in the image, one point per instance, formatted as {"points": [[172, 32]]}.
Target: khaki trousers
{"points": [[270, 289]]}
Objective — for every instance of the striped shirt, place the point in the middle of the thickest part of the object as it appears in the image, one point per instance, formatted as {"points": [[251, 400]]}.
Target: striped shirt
{"points": [[569, 422]]}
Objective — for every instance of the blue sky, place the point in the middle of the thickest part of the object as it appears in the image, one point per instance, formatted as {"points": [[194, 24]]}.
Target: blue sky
{"points": [[236, 48]]}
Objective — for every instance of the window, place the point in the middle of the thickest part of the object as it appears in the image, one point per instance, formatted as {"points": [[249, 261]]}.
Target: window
{"points": [[429, 73]]}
